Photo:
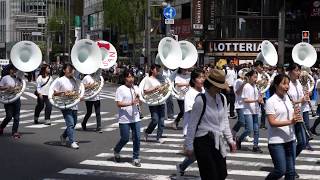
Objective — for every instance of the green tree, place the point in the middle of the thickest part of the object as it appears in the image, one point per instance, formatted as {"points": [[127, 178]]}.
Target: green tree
{"points": [[125, 17]]}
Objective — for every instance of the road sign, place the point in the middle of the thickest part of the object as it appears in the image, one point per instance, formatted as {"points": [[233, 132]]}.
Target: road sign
{"points": [[169, 12], [169, 21]]}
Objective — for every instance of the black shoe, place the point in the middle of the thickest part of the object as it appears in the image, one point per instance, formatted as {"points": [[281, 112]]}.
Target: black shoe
{"points": [[308, 147], [257, 150], [238, 143], [297, 175], [36, 122], [313, 131], [116, 156], [99, 130], [263, 127], [84, 127]]}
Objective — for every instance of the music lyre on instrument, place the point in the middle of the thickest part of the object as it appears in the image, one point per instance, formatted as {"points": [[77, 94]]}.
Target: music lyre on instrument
{"points": [[25, 56], [86, 58], [305, 55]]}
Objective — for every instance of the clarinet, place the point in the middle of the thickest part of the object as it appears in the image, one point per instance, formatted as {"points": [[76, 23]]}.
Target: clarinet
{"points": [[309, 103], [309, 136]]}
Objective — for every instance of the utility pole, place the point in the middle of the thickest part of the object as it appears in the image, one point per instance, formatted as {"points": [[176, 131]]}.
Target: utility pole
{"points": [[148, 45]]}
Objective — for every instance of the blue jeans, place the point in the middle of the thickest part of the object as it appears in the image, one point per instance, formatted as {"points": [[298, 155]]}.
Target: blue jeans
{"points": [[251, 124], [305, 116], [12, 111], [301, 138], [186, 163], [70, 117], [241, 121], [157, 118], [170, 107], [283, 157], [263, 114], [124, 138]]}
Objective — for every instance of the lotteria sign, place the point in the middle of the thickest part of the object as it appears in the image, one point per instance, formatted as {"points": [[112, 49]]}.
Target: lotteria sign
{"points": [[234, 46]]}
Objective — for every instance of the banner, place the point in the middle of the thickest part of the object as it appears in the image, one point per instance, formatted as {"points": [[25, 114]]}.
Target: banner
{"points": [[210, 13], [197, 17]]}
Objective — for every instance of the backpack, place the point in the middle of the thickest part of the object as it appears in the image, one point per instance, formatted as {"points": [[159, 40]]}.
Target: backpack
{"points": [[204, 99]]}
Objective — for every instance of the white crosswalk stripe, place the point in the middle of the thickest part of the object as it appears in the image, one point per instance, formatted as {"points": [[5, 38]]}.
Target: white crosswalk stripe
{"points": [[164, 157]]}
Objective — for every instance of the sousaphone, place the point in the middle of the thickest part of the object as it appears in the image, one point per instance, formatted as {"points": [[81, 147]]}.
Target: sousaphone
{"points": [[26, 56], [189, 59], [86, 58], [268, 56]]}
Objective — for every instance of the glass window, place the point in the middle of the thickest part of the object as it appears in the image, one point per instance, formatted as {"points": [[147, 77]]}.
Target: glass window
{"points": [[249, 7], [226, 28], [249, 28], [270, 28]]}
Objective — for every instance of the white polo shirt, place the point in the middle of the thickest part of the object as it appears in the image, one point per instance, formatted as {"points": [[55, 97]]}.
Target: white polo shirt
{"points": [[283, 110], [296, 92], [8, 81], [128, 114], [250, 92], [238, 101], [231, 76]]}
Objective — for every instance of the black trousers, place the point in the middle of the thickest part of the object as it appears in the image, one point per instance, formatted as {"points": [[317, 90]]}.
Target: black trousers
{"points": [[89, 105], [40, 105], [212, 165], [12, 111], [231, 98], [180, 115]]}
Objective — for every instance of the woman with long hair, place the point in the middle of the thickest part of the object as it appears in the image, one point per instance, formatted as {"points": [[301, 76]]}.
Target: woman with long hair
{"points": [[127, 99], [44, 81], [281, 118]]}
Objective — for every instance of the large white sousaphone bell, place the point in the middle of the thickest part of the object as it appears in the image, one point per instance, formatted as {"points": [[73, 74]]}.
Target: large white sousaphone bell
{"points": [[268, 54], [25, 56], [170, 53], [305, 55]]}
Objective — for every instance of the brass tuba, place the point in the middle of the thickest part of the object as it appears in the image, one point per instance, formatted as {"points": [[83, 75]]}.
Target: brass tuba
{"points": [[86, 58], [25, 56]]}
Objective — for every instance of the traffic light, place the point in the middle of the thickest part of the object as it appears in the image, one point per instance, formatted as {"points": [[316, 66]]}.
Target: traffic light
{"points": [[305, 36]]}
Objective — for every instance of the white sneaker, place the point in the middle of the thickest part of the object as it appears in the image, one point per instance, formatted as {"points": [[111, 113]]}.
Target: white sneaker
{"points": [[248, 139], [161, 141], [74, 145], [136, 162], [63, 141], [47, 122]]}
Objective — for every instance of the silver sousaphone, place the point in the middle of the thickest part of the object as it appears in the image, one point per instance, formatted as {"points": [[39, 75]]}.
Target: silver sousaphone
{"points": [[268, 56], [86, 58], [169, 55], [189, 59], [25, 56]]}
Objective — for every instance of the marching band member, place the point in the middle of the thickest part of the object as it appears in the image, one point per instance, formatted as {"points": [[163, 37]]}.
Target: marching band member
{"points": [[182, 83], [296, 93], [196, 87], [317, 121], [258, 66], [238, 87], [209, 127], [128, 115], [152, 84], [251, 99], [65, 85], [93, 102], [44, 81], [168, 73], [281, 118], [8, 83]]}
